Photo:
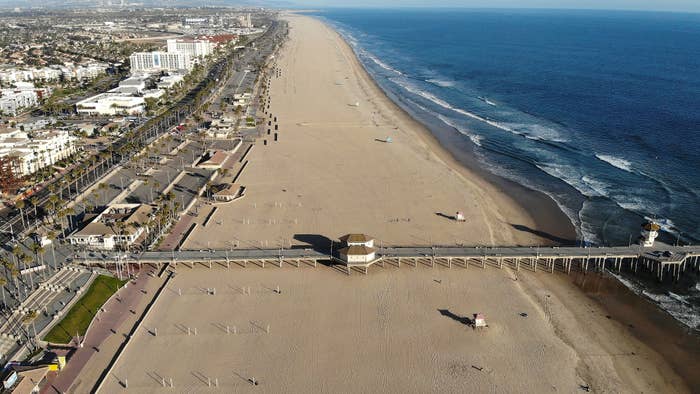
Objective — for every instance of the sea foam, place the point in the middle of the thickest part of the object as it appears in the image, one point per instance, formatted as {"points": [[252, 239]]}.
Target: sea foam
{"points": [[617, 162]]}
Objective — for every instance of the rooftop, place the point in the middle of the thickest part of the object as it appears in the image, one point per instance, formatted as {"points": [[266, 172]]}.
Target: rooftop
{"points": [[357, 250], [356, 238]]}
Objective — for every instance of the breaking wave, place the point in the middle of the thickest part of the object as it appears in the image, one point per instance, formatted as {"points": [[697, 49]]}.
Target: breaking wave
{"points": [[617, 162]]}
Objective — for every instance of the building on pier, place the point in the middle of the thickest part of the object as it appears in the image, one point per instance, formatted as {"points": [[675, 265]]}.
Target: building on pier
{"points": [[359, 249], [650, 231]]}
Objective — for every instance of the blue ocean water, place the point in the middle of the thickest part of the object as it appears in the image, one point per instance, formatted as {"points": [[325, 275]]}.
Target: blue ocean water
{"points": [[599, 110]]}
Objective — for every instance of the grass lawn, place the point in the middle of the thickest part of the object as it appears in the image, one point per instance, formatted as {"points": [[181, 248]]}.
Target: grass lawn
{"points": [[80, 315]]}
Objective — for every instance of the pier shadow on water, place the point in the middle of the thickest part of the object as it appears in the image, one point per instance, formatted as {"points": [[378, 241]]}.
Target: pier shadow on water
{"points": [[461, 319], [545, 235]]}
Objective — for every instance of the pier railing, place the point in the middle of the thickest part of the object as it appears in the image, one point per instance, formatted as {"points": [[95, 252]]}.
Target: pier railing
{"points": [[663, 260]]}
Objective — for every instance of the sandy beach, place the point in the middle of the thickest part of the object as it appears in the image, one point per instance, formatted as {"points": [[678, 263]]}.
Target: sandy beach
{"points": [[395, 330], [329, 173]]}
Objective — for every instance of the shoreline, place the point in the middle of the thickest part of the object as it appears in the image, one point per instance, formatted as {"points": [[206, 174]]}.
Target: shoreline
{"points": [[663, 334], [551, 222]]}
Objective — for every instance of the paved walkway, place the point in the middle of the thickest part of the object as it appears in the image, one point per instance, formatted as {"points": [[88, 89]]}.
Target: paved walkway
{"points": [[106, 335], [178, 231]]}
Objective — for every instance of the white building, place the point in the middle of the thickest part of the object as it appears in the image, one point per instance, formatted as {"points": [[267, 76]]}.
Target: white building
{"points": [[159, 61], [359, 249], [119, 226], [54, 73], [111, 104], [245, 21], [168, 81], [133, 85], [12, 102], [195, 49], [23, 95], [82, 72], [153, 93], [38, 150], [650, 231]]}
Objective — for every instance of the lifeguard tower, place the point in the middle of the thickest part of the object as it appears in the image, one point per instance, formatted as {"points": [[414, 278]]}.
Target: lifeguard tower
{"points": [[479, 321], [650, 231]]}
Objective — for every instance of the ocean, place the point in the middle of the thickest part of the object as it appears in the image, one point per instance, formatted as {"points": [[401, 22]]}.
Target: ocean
{"points": [[600, 110]]}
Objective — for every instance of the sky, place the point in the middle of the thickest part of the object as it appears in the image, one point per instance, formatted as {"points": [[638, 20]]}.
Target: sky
{"points": [[657, 5]]}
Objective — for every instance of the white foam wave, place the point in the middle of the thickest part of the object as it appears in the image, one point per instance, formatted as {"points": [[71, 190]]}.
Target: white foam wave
{"points": [[586, 230], [634, 204], [600, 188], [535, 131], [676, 305], [531, 131], [474, 138], [571, 175], [382, 64], [617, 162], [583, 230], [441, 82]]}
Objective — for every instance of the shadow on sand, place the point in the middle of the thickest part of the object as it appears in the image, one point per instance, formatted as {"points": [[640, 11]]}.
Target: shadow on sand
{"points": [[319, 243], [545, 235], [461, 319]]}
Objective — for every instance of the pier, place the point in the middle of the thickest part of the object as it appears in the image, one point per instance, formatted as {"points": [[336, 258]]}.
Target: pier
{"points": [[664, 261]]}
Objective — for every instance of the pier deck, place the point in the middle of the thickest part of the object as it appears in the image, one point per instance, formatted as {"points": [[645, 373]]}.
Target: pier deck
{"points": [[662, 260]]}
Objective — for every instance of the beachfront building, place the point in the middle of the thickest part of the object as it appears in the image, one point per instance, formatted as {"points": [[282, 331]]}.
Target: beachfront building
{"points": [[229, 193], [213, 160], [118, 227], [111, 103], [359, 250], [193, 48], [37, 150], [159, 61]]}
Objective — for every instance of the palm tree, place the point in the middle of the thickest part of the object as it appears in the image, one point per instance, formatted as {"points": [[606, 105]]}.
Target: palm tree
{"points": [[14, 273], [53, 199], [16, 252], [3, 282], [52, 237], [26, 260], [20, 205], [35, 202], [102, 187]]}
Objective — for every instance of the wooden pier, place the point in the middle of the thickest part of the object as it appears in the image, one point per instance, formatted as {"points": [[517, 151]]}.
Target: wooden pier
{"points": [[663, 261]]}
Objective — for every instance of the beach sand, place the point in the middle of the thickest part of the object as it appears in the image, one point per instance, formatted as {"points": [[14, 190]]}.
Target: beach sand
{"points": [[394, 330], [328, 174]]}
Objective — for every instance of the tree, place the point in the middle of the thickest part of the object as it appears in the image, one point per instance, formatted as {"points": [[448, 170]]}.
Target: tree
{"points": [[9, 179], [52, 237], [35, 202], [102, 187], [20, 205], [3, 282]]}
